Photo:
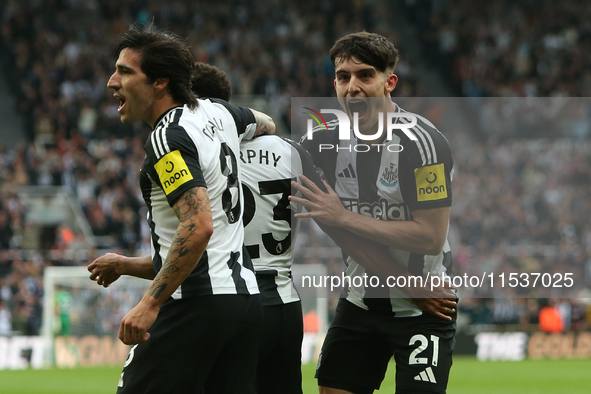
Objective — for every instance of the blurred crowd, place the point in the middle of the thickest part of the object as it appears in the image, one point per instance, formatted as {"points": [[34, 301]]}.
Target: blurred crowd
{"points": [[522, 48], [56, 55], [82, 310], [524, 206], [518, 205]]}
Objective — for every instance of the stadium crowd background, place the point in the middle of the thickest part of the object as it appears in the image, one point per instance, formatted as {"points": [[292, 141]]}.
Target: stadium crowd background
{"points": [[514, 203]]}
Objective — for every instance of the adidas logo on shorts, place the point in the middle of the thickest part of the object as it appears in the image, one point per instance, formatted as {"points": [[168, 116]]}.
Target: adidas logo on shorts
{"points": [[426, 376]]}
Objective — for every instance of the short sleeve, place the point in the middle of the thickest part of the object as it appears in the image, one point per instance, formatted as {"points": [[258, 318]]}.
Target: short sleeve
{"points": [[173, 161], [246, 123], [425, 183]]}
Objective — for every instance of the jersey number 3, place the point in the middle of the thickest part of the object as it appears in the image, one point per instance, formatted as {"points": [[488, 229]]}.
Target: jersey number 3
{"points": [[280, 212]]}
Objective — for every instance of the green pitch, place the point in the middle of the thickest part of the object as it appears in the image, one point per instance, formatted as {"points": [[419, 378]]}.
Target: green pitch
{"points": [[468, 376]]}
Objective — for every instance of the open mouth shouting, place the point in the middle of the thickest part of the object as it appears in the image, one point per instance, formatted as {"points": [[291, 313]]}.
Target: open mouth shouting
{"points": [[122, 102], [359, 106]]}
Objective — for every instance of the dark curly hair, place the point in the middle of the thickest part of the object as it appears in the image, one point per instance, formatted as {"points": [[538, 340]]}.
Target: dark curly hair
{"points": [[210, 81], [163, 55], [370, 48]]}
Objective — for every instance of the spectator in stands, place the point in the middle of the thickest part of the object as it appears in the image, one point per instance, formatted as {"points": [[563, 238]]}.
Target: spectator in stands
{"points": [[6, 231], [58, 82], [508, 48], [550, 319], [5, 319]]}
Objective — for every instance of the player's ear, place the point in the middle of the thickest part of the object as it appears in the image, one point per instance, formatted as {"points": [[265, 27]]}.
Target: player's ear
{"points": [[391, 81], [160, 84]]}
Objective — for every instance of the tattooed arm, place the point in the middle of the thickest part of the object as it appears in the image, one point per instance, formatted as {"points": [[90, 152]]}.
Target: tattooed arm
{"points": [[192, 235], [190, 240], [265, 124]]}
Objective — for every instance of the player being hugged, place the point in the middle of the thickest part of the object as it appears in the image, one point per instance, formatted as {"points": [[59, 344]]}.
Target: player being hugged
{"points": [[269, 165]]}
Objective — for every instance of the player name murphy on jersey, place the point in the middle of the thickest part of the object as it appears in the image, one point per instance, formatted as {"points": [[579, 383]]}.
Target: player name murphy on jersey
{"points": [[260, 156]]}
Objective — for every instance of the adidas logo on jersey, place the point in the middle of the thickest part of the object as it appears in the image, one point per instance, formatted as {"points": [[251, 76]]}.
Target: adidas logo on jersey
{"points": [[426, 376], [347, 172]]}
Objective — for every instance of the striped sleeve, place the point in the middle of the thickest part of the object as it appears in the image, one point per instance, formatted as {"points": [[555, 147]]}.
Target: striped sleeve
{"points": [[426, 165], [246, 124], [173, 161]]}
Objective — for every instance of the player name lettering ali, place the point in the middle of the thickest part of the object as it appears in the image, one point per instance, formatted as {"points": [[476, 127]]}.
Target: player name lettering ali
{"points": [[213, 126]]}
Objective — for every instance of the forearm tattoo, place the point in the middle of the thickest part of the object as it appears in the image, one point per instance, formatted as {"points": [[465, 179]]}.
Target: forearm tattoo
{"points": [[156, 291], [265, 124], [187, 208]]}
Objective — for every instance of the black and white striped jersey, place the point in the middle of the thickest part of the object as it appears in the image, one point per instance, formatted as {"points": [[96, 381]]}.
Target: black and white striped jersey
{"points": [[192, 148], [269, 164], [389, 182]]}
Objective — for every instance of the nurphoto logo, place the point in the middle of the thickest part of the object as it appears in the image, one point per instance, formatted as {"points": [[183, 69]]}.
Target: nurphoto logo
{"points": [[391, 120]]}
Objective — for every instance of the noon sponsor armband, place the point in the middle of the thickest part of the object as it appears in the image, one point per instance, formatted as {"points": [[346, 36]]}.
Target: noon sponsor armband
{"points": [[431, 183], [172, 171]]}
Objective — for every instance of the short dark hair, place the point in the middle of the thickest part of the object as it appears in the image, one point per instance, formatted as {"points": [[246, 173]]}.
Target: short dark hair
{"points": [[163, 55], [370, 48], [210, 81]]}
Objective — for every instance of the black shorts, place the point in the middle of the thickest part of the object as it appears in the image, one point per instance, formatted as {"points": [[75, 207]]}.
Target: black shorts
{"points": [[359, 344], [279, 368], [198, 345]]}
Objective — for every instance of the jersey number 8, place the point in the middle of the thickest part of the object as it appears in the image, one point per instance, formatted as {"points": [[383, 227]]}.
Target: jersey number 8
{"points": [[229, 171]]}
